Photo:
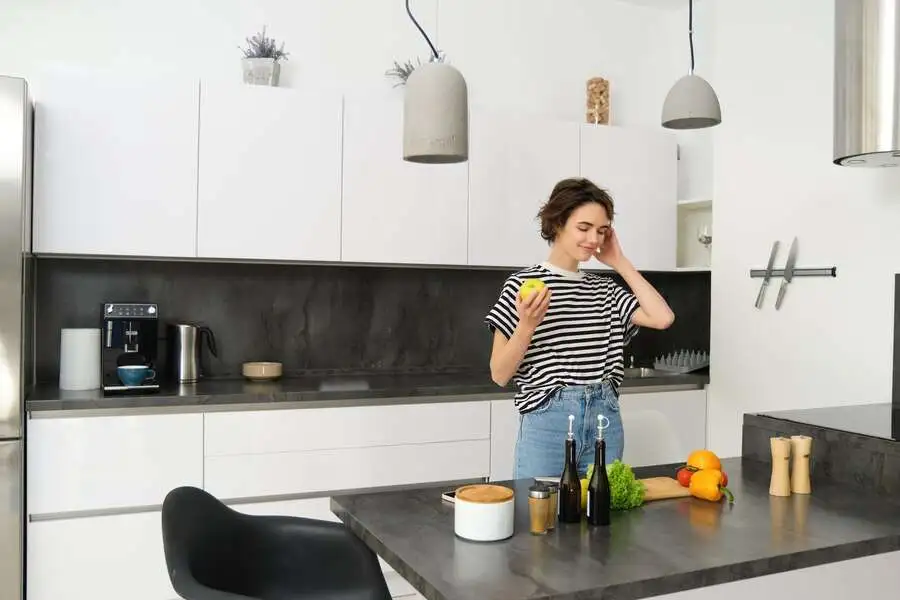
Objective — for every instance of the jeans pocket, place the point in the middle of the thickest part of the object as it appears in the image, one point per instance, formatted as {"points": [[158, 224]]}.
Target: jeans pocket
{"points": [[611, 399]]}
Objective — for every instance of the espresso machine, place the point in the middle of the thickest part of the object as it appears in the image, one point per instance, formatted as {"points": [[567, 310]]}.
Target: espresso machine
{"points": [[129, 339]]}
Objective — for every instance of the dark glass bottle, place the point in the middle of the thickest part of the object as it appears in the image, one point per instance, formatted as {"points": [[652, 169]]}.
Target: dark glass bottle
{"points": [[598, 494], [569, 484]]}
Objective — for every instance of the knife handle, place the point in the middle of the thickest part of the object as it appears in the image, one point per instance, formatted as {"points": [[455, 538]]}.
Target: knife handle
{"points": [[762, 292], [780, 295]]}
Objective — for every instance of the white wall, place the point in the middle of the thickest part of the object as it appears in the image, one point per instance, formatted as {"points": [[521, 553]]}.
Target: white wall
{"points": [[529, 55], [831, 343]]}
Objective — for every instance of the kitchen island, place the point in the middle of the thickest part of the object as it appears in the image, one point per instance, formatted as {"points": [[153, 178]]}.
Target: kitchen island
{"points": [[673, 547]]}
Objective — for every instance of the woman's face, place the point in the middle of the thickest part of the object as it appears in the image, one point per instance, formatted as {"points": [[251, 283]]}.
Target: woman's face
{"points": [[584, 232]]}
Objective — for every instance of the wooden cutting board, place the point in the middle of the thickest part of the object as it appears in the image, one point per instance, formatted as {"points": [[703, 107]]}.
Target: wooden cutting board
{"points": [[663, 488]]}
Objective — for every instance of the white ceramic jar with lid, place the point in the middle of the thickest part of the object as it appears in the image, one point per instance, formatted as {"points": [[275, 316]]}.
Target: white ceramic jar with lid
{"points": [[484, 512]]}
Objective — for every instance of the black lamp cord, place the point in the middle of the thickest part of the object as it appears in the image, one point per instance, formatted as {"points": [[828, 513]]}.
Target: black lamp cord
{"points": [[690, 30], [422, 31]]}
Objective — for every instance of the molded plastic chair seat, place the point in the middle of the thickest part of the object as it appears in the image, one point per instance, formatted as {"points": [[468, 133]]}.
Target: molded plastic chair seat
{"points": [[216, 553]]}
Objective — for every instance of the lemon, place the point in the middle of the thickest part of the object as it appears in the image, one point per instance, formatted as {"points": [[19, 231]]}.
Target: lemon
{"points": [[584, 489], [530, 286]]}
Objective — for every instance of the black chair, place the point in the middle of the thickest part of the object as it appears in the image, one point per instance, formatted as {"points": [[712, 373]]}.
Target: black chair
{"points": [[216, 553]]}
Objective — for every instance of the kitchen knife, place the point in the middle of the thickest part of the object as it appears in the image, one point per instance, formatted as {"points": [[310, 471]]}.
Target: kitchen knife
{"points": [[788, 273], [768, 276]]}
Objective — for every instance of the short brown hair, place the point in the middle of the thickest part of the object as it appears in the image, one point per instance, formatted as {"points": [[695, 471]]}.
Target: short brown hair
{"points": [[567, 195]]}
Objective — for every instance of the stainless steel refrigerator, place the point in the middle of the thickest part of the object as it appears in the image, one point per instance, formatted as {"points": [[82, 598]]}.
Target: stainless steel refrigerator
{"points": [[16, 324]]}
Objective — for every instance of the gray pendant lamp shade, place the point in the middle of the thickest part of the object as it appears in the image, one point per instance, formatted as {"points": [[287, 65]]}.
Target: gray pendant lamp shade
{"points": [[436, 115], [691, 103], [435, 111]]}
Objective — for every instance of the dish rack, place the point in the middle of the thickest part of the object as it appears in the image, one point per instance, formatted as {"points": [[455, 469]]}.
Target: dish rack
{"points": [[682, 361]]}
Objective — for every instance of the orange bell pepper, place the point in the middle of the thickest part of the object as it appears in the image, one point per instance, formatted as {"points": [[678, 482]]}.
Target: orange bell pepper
{"points": [[708, 484]]}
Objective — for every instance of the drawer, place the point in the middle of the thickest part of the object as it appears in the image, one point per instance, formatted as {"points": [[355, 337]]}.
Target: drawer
{"points": [[324, 471], [101, 558], [76, 464], [300, 430]]}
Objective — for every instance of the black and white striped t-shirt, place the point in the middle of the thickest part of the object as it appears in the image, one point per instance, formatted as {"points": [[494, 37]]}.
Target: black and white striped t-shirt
{"points": [[581, 339]]}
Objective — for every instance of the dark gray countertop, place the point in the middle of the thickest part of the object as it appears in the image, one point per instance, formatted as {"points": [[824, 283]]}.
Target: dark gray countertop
{"points": [[662, 547], [314, 392]]}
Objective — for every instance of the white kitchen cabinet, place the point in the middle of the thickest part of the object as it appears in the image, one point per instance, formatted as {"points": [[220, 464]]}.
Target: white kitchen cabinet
{"points": [[283, 452], [395, 211], [269, 174], [102, 558], [504, 431], [514, 162], [639, 168], [115, 165], [94, 463], [663, 427]]}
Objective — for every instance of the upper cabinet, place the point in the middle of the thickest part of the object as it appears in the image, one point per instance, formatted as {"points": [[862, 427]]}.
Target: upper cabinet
{"points": [[115, 165], [394, 211], [639, 168], [174, 168], [514, 162], [270, 174]]}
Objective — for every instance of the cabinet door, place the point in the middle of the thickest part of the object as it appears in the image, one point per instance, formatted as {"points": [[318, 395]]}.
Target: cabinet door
{"points": [[270, 174], [115, 165], [101, 558], [504, 432], [395, 211], [640, 170], [97, 463], [662, 427], [513, 166]]}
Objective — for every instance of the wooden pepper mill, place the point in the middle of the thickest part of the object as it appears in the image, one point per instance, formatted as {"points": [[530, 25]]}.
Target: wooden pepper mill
{"points": [[801, 446], [780, 483]]}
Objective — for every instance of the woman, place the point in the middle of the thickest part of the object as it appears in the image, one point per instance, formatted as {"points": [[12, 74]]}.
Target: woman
{"points": [[567, 356]]}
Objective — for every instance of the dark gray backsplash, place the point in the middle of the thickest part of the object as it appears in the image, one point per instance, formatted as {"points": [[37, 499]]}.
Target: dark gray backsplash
{"points": [[315, 318]]}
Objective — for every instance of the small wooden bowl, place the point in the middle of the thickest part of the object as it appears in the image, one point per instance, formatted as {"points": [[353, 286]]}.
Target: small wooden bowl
{"points": [[261, 371]]}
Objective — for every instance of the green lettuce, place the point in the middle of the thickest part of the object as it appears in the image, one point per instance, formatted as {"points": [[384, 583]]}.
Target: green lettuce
{"points": [[626, 491]]}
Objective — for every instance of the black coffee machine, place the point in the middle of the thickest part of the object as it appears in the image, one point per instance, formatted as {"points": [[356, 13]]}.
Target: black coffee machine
{"points": [[129, 339]]}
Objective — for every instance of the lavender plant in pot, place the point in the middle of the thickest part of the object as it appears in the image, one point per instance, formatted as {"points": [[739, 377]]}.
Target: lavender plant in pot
{"points": [[260, 62]]}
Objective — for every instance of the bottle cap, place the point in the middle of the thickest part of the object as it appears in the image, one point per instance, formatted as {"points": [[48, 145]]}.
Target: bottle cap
{"points": [[539, 490], [571, 427]]}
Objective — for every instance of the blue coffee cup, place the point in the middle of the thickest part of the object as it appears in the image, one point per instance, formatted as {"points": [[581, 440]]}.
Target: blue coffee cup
{"points": [[134, 375]]}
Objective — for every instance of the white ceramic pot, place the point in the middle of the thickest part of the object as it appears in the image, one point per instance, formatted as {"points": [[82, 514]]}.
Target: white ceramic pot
{"points": [[261, 71], [484, 512]]}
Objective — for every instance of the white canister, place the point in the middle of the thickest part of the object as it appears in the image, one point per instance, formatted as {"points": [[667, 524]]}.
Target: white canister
{"points": [[79, 359], [484, 512]]}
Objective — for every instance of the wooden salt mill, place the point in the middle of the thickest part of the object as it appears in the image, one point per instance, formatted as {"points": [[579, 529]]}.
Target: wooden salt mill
{"points": [[780, 483], [800, 451]]}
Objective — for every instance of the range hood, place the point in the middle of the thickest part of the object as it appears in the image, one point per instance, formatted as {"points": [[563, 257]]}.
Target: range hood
{"points": [[867, 83]]}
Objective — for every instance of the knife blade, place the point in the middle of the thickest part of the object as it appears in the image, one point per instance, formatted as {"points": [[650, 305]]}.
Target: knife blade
{"points": [[788, 273], [768, 276]]}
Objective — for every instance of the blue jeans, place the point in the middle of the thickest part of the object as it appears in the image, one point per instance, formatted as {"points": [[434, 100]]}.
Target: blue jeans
{"points": [[541, 443]]}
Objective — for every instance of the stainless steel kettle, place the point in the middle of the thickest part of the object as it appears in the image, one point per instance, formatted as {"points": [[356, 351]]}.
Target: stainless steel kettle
{"points": [[185, 341]]}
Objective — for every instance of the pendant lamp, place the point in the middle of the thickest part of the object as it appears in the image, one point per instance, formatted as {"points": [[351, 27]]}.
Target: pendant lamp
{"points": [[435, 111], [691, 103]]}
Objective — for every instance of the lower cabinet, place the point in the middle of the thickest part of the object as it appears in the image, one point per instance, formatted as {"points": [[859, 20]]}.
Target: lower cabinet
{"points": [[101, 558], [662, 427]]}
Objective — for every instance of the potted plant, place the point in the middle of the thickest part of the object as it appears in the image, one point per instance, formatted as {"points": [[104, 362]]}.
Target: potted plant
{"points": [[261, 56]]}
